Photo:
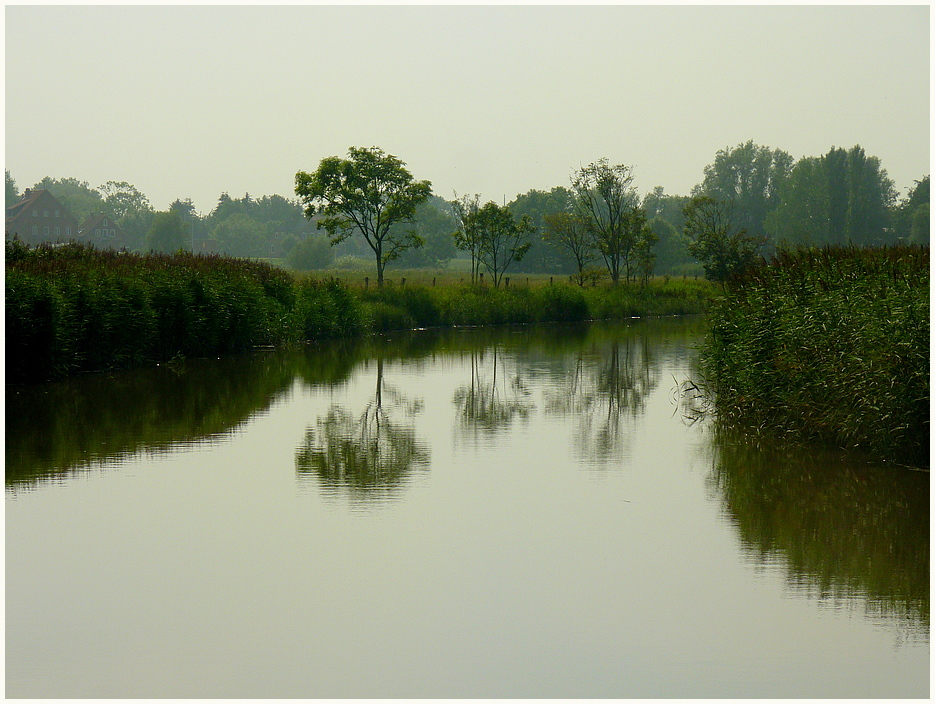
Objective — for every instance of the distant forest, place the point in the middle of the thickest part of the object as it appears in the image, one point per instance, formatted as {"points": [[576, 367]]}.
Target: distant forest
{"points": [[841, 197]]}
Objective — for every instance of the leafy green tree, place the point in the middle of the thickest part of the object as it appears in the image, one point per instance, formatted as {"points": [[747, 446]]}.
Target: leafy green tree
{"points": [[920, 225], [242, 236], [313, 252], [546, 256], [368, 192], [910, 216], [643, 259], [672, 248], [467, 237], [723, 248], [749, 176], [503, 239], [130, 208], [841, 197], [870, 196], [434, 224], [802, 218], [569, 231], [168, 233], [12, 192], [77, 196], [606, 200], [659, 204]]}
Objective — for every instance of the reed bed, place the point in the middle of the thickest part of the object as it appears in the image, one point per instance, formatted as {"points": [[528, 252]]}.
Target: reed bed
{"points": [[71, 308], [828, 344]]}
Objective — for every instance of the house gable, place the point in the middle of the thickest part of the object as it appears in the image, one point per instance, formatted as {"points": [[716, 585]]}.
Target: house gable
{"points": [[39, 217]]}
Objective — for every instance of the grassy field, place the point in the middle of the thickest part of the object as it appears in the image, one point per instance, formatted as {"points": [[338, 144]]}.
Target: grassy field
{"points": [[829, 344]]}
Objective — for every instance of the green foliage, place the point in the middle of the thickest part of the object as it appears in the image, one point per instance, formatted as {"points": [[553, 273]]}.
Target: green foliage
{"points": [[167, 233], [76, 196], [842, 197], [12, 192], [672, 248], [240, 235], [570, 232], [368, 192], [831, 344], [502, 240], [72, 308], [434, 225], [607, 202], [545, 256], [715, 240], [313, 252], [750, 177]]}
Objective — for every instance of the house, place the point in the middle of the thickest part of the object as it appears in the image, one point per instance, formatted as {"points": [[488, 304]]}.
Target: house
{"points": [[101, 231], [39, 217]]}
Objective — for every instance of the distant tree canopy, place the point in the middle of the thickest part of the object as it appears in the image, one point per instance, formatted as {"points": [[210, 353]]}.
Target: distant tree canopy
{"points": [[841, 197], [366, 193], [167, 233], [750, 177], [77, 196], [12, 192]]}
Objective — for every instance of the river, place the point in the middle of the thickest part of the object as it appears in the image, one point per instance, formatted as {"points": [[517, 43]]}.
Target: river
{"points": [[519, 512]]}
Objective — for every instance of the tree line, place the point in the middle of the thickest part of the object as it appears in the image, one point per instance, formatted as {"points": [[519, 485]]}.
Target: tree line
{"points": [[751, 201]]}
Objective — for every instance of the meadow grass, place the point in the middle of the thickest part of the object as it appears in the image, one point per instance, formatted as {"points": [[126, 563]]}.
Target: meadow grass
{"points": [[829, 344]]}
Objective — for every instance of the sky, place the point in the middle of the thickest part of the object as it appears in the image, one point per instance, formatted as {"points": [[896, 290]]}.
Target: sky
{"points": [[192, 101]]}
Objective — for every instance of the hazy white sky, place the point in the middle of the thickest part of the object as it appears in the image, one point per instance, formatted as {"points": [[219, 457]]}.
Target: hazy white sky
{"points": [[187, 102]]}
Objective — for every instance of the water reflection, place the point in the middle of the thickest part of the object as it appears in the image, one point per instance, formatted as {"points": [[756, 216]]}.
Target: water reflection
{"points": [[370, 454], [605, 385], [55, 429], [495, 395], [846, 533]]}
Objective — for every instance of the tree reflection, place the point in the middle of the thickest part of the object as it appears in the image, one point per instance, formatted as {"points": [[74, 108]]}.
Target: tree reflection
{"points": [[607, 386], [845, 531], [369, 454], [493, 398]]}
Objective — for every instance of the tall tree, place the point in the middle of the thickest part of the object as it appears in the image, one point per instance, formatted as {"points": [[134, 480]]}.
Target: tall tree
{"points": [[749, 176], [368, 192], [605, 199], [434, 225], [870, 195], [841, 197], [569, 231], [466, 237], [130, 208], [503, 239]]}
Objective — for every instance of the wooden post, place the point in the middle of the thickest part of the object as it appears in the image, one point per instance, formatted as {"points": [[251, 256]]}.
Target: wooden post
{"points": [[366, 282]]}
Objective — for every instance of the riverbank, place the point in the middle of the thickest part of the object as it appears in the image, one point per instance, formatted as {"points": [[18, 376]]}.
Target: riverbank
{"points": [[73, 309], [830, 345]]}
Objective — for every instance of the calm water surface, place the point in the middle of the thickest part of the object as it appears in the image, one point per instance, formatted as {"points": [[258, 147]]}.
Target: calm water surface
{"points": [[513, 513]]}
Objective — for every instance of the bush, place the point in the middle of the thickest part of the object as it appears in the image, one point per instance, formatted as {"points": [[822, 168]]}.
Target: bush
{"points": [[311, 253]]}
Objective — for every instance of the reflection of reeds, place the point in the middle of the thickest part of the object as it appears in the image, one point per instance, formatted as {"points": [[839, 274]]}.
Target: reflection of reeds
{"points": [[831, 344], [844, 530]]}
